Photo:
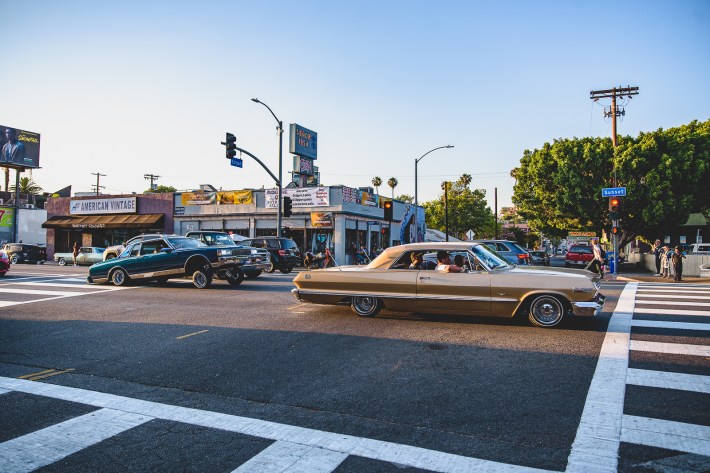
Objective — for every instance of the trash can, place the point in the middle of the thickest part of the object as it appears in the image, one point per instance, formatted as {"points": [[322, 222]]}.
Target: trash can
{"points": [[610, 259]]}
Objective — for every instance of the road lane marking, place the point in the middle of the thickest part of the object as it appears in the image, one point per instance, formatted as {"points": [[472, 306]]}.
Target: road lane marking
{"points": [[675, 303], [84, 286], [666, 434], [596, 445], [191, 334], [31, 375], [670, 348], [416, 457], [49, 375], [674, 289], [664, 379], [671, 325], [669, 296], [292, 458], [43, 447], [38, 292], [673, 312]]}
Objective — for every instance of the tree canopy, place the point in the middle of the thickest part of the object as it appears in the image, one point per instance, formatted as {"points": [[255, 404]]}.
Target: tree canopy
{"points": [[467, 209], [665, 172], [160, 190]]}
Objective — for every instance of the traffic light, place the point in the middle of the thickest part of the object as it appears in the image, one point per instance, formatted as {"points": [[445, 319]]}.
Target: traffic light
{"points": [[614, 208], [616, 231], [288, 207], [231, 144], [388, 210]]}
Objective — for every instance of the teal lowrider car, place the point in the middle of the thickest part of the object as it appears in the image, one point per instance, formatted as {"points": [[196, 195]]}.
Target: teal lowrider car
{"points": [[166, 257]]}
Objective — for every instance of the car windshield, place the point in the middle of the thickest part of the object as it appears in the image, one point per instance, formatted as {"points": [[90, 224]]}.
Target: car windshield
{"points": [[181, 243], [489, 257]]}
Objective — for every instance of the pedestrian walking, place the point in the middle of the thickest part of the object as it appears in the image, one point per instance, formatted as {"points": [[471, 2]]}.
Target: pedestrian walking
{"points": [[75, 252], [657, 251], [665, 262], [597, 264], [677, 260]]}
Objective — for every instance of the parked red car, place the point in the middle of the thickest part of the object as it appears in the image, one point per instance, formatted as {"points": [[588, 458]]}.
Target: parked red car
{"points": [[578, 256], [4, 263]]}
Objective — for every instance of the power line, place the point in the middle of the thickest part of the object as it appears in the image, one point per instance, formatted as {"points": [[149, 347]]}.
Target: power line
{"points": [[151, 178], [97, 187]]}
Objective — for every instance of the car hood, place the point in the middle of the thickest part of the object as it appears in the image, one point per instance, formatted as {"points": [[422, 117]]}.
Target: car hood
{"points": [[544, 271]]}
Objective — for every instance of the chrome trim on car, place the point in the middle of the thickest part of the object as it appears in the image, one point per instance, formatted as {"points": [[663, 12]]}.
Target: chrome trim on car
{"points": [[397, 296], [296, 294], [586, 309], [583, 289]]}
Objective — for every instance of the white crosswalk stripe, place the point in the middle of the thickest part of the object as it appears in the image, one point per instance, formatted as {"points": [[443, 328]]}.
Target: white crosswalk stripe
{"points": [[604, 425], [47, 289]]}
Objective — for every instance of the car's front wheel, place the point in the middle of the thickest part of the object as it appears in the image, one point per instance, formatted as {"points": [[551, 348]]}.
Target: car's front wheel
{"points": [[546, 311], [252, 274], [200, 279], [119, 277], [62, 261], [366, 306], [286, 269], [14, 259], [234, 276]]}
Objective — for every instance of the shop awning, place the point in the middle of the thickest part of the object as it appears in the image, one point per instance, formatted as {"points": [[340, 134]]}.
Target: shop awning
{"points": [[104, 221]]}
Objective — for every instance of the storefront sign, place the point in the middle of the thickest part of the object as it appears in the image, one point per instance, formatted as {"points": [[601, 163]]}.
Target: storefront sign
{"points": [[119, 205], [582, 234], [217, 198], [6, 214], [304, 142], [88, 225], [322, 219], [350, 194], [302, 197], [235, 197]]}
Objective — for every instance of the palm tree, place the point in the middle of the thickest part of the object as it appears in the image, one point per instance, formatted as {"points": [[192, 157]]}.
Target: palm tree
{"points": [[392, 182], [27, 186], [377, 182]]}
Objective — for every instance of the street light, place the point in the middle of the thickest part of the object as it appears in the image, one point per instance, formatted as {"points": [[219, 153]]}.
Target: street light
{"points": [[416, 200], [280, 130]]}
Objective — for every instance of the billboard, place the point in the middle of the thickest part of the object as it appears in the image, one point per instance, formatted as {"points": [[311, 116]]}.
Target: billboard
{"points": [[18, 148], [304, 142]]}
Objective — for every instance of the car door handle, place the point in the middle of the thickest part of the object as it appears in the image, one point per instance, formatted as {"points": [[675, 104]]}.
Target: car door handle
{"points": [[422, 278]]}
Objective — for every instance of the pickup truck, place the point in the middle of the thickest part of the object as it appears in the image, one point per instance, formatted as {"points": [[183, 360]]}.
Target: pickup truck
{"points": [[253, 260]]}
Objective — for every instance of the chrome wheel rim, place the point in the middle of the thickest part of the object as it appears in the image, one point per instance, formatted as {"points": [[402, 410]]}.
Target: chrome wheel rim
{"points": [[546, 310]]}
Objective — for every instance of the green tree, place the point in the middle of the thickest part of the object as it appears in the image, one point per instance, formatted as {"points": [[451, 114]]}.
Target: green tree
{"points": [[558, 187], [377, 182], [160, 190], [467, 210], [392, 182], [405, 198], [27, 186]]}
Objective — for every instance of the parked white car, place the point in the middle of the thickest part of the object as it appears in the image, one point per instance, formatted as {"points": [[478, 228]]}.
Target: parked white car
{"points": [[699, 249], [87, 255]]}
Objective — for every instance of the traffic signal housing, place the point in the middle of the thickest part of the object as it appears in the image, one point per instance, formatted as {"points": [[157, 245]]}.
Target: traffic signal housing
{"points": [[231, 143], [288, 207], [614, 208], [616, 231], [388, 208]]}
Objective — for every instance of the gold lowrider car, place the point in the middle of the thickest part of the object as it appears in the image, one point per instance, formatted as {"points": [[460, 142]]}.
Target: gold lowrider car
{"points": [[488, 286]]}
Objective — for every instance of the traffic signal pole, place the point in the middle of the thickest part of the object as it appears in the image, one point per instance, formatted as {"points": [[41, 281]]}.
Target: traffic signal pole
{"points": [[613, 113]]}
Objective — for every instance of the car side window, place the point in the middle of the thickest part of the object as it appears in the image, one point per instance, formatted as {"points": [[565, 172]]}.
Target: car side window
{"points": [[152, 247], [134, 250], [86, 250]]}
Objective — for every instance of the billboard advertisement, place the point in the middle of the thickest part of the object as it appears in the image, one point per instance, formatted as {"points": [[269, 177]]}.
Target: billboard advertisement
{"points": [[18, 148], [413, 226], [304, 142]]}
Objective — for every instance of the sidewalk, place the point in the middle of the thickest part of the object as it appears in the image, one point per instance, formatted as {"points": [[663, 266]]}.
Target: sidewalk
{"points": [[650, 277]]}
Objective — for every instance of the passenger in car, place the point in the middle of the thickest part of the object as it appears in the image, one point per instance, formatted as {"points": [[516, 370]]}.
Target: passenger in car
{"points": [[445, 266], [417, 260]]}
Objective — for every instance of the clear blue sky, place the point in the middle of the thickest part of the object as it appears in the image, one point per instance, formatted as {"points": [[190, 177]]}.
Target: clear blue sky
{"points": [[129, 88]]}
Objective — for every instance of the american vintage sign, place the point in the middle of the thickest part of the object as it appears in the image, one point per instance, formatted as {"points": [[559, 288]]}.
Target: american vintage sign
{"points": [[120, 205]]}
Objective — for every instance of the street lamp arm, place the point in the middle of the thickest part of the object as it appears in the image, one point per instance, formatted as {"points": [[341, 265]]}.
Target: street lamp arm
{"points": [[272, 112], [430, 151]]}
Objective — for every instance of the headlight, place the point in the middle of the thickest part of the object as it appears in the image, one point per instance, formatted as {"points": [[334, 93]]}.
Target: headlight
{"points": [[224, 252]]}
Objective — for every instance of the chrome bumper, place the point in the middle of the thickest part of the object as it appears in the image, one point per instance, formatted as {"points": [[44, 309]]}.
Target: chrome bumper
{"points": [[295, 293], [588, 309]]}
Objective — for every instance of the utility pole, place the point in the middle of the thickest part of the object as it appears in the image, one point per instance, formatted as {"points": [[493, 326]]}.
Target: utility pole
{"points": [[151, 178], [98, 176], [613, 112]]}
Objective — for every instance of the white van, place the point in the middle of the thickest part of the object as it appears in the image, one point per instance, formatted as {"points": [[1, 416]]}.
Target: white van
{"points": [[699, 249]]}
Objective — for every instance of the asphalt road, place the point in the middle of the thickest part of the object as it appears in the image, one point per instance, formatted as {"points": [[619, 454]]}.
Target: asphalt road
{"points": [[495, 390]]}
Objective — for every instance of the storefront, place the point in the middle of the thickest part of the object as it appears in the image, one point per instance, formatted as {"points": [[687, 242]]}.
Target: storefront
{"points": [[340, 218], [105, 220]]}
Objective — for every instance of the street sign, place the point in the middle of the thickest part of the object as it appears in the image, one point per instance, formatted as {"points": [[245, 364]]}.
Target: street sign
{"points": [[236, 162], [613, 191], [470, 234]]}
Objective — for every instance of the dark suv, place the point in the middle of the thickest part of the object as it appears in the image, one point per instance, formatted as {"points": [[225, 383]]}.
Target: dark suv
{"points": [[24, 253], [284, 252]]}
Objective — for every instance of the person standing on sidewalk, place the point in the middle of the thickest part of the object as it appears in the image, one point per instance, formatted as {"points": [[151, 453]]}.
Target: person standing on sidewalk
{"points": [[677, 259], [657, 251], [75, 252], [665, 262]]}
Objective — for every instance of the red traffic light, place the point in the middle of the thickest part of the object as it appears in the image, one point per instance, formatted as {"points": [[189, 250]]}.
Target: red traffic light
{"points": [[388, 210], [616, 231]]}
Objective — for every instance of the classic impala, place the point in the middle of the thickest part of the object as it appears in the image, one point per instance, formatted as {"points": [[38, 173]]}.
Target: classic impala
{"points": [[489, 285]]}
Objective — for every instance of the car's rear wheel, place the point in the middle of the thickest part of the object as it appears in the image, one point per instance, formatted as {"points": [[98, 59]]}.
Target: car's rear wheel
{"points": [[234, 276], [546, 311], [201, 280], [286, 269], [365, 306], [62, 261], [252, 274], [119, 277], [14, 259]]}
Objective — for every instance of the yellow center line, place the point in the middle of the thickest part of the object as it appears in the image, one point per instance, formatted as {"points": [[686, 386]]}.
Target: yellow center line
{"points": [[27, 376], [295, 306], [38, 377], [191, 334]]}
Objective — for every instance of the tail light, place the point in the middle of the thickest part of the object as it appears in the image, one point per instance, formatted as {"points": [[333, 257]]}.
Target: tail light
{"points": [[523, 256], [282, 252]]}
